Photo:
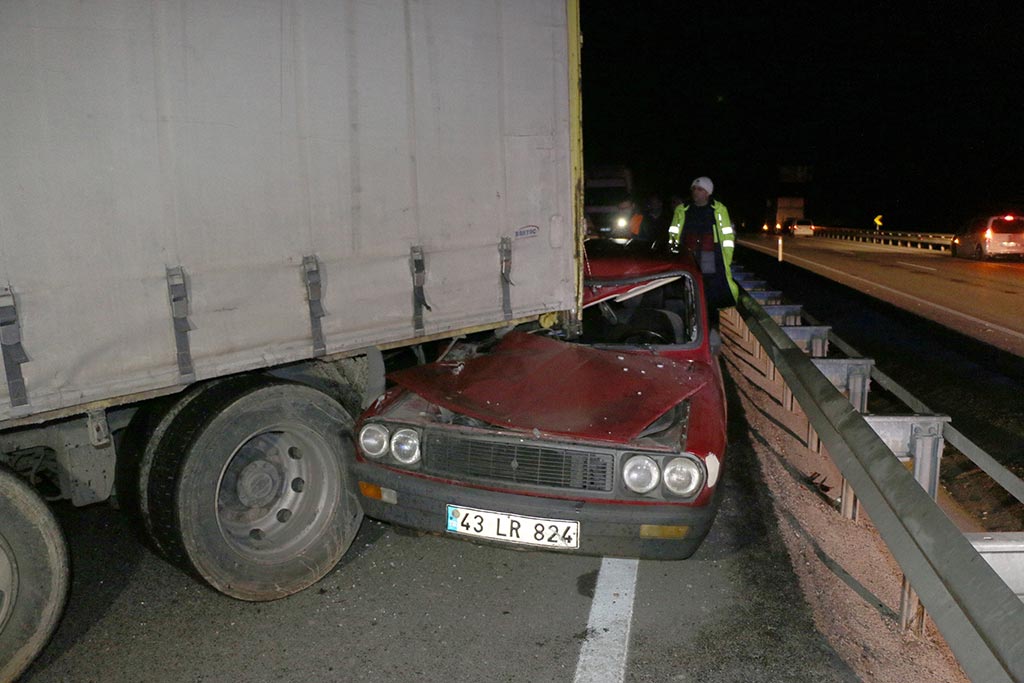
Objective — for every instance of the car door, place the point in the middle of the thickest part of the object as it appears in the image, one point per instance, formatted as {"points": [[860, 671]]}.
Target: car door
{"points": [[969, 240]]}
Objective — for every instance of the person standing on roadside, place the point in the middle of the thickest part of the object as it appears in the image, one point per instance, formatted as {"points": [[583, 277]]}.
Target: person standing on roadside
{"points": [[704, 229]]}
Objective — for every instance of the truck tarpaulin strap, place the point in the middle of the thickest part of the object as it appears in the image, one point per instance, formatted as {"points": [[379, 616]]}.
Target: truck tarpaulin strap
{"points": [[314, 291], [505, 249], [13, 353], [178, 293], [419, 278]]}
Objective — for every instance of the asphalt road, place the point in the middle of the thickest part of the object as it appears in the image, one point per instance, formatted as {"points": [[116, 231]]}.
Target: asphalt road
{"points": [[423, 608], [981, 299]]}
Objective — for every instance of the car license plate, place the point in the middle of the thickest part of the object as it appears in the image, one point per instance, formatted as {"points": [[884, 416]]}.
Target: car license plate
{"points": [[500, 526]]}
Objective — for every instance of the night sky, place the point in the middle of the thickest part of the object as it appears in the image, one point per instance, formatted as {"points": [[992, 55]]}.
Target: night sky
{"points": [[912, 112]]}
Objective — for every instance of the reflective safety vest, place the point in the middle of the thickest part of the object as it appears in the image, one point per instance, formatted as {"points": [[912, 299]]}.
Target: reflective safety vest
{"points": [[723, 233]]}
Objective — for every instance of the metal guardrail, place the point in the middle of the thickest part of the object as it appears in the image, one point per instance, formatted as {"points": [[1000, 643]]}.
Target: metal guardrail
{"points": [[980, 616], [935, 241], [1002, 476], [1002, 551]]}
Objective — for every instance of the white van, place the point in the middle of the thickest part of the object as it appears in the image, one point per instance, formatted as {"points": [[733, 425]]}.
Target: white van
{"points": [[990, 236]]}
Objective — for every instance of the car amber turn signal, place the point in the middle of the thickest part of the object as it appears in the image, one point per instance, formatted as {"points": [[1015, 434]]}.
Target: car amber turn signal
{"points": [[664, 531]]}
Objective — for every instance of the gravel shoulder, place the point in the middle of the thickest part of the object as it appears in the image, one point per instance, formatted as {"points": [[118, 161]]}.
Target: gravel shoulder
{"points": [[847, 575]]}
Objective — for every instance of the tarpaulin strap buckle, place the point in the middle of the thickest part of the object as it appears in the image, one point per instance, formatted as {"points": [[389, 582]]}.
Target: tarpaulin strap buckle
{"points": [[505, 250], [419, 278], [177, 292], [98, 427], [13, 352], [314, 292]]}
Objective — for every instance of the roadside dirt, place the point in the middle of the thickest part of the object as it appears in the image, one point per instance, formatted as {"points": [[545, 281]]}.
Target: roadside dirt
{"points": [[983, 500], [848, 577]]}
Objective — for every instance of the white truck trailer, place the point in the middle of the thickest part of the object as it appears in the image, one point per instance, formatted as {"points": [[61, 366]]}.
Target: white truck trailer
{"points": [[213, 218]]}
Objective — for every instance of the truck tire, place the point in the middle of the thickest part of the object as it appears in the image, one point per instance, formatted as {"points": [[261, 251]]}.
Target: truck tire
{"points": [[249, 487], [135, 459], [33, 575]]}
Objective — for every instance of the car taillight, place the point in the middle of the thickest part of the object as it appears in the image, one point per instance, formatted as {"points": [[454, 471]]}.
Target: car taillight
{"points": [[988, 234], [1008, 217]]}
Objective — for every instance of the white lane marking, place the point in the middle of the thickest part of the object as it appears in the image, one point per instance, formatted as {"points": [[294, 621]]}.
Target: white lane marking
{"points": [[605, 649], [978, 321], [914, 265]]}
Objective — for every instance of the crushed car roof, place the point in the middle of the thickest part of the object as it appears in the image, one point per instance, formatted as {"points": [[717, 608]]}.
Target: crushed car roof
{"points": [[531, 382]]}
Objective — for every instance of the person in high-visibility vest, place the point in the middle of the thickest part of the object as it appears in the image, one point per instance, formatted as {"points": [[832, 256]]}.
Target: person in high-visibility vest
{"points": [[704, 229]]}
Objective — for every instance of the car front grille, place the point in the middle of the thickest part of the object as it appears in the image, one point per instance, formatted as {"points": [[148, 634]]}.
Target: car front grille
{"points": [[460, 455]]}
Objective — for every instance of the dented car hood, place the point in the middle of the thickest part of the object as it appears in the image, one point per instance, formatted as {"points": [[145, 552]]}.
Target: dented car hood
{"points": [[535, 383]]}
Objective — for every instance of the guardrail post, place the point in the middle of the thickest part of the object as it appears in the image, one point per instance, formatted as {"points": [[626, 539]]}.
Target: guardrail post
{"points": [[812, 339], [927, 442], [852, 376], [849, 506], [912, 614], [785, 314], [1004, 552], [764, 297], [916, 439]]}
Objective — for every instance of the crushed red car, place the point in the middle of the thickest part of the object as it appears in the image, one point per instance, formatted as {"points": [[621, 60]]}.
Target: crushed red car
{"points": [[610, 444]]}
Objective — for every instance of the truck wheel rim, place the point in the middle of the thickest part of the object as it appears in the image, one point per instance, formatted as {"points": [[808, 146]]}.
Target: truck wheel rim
{"points": [[8, 582], [277, 492]]}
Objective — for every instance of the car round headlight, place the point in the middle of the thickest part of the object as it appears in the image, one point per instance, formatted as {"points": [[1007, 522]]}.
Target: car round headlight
{"points": [[621, 222], [683, 476], [373, 439], [641, 474], [405, 446]]}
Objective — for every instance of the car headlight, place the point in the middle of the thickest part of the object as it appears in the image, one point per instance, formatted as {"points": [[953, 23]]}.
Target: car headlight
{"points": [[641, 474], [373, 439], [621, 222], [405, 446], [683, 476]]}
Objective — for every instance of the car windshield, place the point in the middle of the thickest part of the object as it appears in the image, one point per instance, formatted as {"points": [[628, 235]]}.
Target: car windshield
{"points": [[645, 299], [803, 222]]}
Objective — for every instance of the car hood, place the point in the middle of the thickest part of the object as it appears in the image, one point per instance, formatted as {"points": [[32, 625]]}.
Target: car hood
{"points": [[531, 382]]}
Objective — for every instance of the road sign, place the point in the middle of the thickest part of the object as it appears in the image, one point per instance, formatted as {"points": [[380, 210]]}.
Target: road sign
{"points": [[878, 221]]}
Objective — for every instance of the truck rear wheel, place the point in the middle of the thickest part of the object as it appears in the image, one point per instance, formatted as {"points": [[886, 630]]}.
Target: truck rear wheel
{"points": [[248, 487], [33, 575], [135, 458]]}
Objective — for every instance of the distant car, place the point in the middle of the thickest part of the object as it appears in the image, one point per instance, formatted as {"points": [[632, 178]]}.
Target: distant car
{"points": [[990, 236], [802, 228]]}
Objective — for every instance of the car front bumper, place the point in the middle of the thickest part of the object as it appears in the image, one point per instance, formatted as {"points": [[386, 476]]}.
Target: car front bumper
{"points": [[605, 529]]}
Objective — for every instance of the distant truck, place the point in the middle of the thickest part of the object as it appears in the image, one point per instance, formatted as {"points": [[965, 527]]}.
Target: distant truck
{"points": [[605, 187], [785, 211], [214, 219]]}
